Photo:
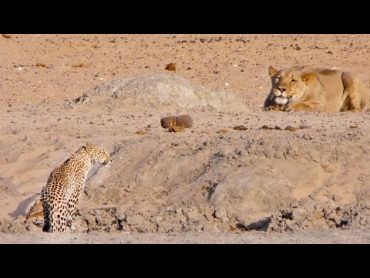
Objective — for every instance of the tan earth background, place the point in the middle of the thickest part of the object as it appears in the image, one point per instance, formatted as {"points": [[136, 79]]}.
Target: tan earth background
{"points": [[211, 183]]}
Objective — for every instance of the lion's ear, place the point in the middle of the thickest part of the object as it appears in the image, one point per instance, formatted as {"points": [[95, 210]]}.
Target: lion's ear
{"points": [[308, 77], [272, 71]]}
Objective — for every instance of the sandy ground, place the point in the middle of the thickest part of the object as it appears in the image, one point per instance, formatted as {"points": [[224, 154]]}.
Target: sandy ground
{"points": [[59, 91], [337, 237]]}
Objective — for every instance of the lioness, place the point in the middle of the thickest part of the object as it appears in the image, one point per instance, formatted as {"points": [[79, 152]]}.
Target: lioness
{"points": [[308, 89]]}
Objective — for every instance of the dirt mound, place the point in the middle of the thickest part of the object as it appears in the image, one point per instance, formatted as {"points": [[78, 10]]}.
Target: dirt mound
{"points": [[157, 89], [320, 217], [102, 220], [207, 181], [17, 225], [313, 217]]}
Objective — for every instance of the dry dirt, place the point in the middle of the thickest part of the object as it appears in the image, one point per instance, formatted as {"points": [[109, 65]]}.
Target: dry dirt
{"points": [[335, 237], [283, 172]]}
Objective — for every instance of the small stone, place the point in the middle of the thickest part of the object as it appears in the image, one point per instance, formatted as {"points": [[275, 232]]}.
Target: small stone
{"points": [[120, 215], [240, 127], [290, 128], [171, 67], [266, 127], [222, 130], [40, 65], [221, 214]]}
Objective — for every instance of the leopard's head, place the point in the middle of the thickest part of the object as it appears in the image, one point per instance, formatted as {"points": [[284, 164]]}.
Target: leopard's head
{"points": [[98, 154]]}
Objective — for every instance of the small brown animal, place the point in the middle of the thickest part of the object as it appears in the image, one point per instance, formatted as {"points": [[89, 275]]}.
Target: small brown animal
{"points": [[176, 128], [182, 120], [166, 122]]}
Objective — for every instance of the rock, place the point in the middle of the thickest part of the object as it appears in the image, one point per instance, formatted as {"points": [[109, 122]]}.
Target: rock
{"points": [[120, 215], [222, 130], [40, 65], [80, 225], [266, 127], [319, 217], [291, 128], [221, 214], [82, 99], [240, 127], [103, 218], [90, 219], [171, 67]]}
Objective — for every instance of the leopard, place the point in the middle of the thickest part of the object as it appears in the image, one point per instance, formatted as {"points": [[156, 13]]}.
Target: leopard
{"points": [[61, 194]]}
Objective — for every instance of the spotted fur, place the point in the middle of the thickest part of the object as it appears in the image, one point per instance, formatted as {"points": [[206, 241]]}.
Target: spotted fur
{"points": [[61, 193]]}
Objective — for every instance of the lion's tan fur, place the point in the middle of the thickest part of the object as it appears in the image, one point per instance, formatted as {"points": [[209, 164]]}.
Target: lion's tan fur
{"points": [[308, 89]]}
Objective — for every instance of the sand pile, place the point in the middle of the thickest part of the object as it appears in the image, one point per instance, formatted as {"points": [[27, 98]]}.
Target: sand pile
{"points": [[231, 181], [158, 89]]}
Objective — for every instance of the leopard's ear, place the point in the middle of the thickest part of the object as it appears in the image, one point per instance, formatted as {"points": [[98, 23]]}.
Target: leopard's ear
{"points": [[308, 77], [272, 71], [86, 146]]}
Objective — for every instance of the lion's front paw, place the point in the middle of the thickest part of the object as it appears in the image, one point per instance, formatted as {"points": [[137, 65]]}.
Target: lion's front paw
{"points": [[272, 108], [288, 109]]}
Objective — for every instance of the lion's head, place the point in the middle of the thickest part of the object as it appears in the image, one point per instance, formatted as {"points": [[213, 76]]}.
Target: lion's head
{"points": [[289, 85]]}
